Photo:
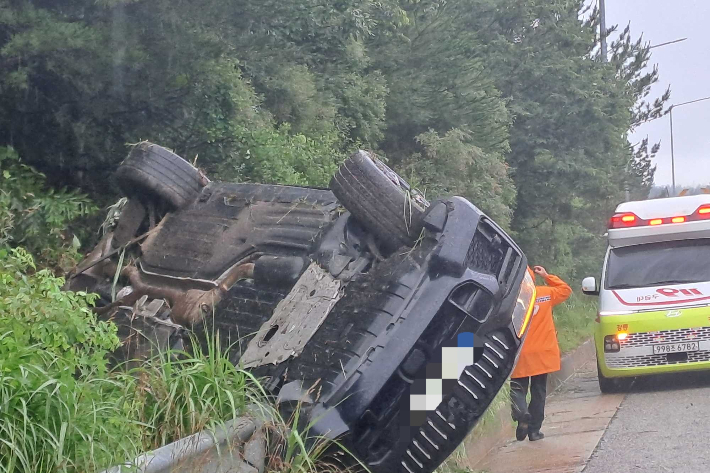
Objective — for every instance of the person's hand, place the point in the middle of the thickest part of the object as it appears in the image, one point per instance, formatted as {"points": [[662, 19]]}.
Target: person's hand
{"points": [[539, 270]]}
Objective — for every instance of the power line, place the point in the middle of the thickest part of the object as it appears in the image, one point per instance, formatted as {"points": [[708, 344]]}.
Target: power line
{"points": [[691, 101], [669, 42]]}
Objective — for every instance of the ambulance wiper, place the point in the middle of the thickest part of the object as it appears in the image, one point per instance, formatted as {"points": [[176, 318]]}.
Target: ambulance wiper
{"points": [[624, 286], [670, 281]]}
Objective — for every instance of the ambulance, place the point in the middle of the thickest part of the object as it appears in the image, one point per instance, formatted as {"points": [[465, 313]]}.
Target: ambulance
{"points": [[654, 292]]}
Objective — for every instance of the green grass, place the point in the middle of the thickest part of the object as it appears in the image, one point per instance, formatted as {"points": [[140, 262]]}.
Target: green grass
{"points": [[177, 393], [574, 321], [52, 422], [183, 393], [62, 409]]}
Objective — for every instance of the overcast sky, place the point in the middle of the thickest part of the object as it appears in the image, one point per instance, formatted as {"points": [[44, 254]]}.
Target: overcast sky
{"points": [[685, 67]]}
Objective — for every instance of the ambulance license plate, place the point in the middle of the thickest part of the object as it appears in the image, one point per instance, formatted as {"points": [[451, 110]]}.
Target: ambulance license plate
{"points": [[675, 347]]}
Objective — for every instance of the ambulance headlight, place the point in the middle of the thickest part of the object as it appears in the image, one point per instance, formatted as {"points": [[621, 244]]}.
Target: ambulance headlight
{"points": [[524, 305]]}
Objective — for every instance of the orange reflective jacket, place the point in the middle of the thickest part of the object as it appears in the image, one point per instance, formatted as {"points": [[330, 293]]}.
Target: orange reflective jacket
{"points": [[540, 353]]}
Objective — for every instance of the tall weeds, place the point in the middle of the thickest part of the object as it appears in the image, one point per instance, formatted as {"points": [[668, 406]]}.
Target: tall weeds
{"points": [[62, 409], [178, 393]]}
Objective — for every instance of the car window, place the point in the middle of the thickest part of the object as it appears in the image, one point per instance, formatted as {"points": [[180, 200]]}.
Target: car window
{"points": [[653, 264]]}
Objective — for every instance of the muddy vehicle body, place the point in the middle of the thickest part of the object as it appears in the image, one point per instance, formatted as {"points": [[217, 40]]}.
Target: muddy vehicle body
{"points": [[341, 299]]}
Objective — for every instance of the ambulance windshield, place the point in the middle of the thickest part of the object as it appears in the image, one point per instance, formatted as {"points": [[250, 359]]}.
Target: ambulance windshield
{"points": [[655, 264]]}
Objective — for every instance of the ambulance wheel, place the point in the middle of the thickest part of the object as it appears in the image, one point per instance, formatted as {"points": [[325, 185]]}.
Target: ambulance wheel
{"points": [[607, 385]]}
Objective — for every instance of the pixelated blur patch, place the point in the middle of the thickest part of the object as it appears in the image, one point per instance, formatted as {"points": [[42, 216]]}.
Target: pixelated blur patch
{"points": [[465, 339], [440, 375]]}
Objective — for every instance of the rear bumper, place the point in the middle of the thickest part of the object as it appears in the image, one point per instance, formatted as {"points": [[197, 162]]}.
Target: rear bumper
{"points": [[457, 287]]}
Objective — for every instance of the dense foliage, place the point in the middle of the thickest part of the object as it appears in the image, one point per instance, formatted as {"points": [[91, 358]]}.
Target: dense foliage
{"points": [[61, 407], [47, 412], [503, 101], [36, 216]]}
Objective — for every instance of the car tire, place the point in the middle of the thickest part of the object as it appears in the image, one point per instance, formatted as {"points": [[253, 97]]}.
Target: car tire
{"points": [[153, 171], [380, 199], [607, 385]]}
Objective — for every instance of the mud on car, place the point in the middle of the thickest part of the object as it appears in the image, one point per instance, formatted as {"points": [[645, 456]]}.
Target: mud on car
{"points": [[343, 297]]}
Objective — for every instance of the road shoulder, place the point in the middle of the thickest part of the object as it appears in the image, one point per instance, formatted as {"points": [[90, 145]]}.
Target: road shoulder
{"points": [[576, 417]]}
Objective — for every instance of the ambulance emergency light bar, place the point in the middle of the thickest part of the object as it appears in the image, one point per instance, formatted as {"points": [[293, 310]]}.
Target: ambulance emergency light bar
{"points": [[630, 219]]}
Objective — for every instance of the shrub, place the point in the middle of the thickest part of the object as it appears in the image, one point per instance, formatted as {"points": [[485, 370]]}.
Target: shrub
{"points": [[36, 216], [62, 409], [59, 409]]}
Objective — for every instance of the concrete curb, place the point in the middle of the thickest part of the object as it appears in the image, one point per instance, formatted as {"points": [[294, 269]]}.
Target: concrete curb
{"points": [[502, 428]]}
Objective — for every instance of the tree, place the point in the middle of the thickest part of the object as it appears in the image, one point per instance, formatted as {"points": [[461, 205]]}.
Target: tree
{"points": [[569, 150], [450, 165], [81, 79], [460, 96], [438, 80]]}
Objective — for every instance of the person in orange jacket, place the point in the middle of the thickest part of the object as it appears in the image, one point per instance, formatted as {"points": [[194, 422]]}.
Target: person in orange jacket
{"points": [[539, 356]]}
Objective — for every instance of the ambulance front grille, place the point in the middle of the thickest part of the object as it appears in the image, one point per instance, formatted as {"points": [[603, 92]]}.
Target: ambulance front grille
{"points": [[655, 360], [637, 342], [646, 339]]}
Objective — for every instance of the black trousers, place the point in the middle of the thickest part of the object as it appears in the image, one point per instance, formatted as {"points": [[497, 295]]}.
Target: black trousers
{"points": [[534, 413]]}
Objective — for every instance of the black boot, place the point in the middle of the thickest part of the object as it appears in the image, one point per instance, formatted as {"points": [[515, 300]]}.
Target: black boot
{"points": [[521, 431], [537, 435], [523, 427]]}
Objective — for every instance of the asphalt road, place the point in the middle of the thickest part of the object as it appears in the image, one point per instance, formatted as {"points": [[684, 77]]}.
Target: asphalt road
{"points": [[662, 425]]}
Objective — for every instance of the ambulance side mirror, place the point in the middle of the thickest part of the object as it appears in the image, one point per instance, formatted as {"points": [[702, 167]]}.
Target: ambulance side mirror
{"points": [[589, 286]]}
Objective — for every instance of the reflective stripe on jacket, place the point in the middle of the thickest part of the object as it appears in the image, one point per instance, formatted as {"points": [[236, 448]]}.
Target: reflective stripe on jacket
{"points": [[540, 353]]}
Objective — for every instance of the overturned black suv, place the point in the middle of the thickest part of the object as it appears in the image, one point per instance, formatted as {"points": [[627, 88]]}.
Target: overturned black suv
{"points": [[341, 299]]}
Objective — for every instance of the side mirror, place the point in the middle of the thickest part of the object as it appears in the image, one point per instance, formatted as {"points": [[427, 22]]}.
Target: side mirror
{"points": [[589, 286]]}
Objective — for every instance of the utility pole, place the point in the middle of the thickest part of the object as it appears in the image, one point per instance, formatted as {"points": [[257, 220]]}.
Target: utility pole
{"points": [[627, 185], [670, 113], [602, 29]]}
